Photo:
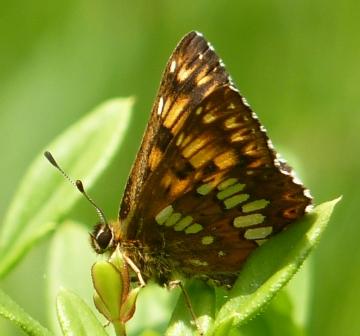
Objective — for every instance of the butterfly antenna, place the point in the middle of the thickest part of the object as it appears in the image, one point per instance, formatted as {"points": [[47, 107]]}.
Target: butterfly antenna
{"points": [[78, 185]]}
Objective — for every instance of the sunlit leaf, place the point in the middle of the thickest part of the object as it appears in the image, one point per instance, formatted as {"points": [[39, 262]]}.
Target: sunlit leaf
{"points": [[75, 317], [70, 259], [13, 312], [85, 149]]}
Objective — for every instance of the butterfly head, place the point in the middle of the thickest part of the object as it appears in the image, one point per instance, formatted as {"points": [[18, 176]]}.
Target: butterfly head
{"points": [[102, 238]]}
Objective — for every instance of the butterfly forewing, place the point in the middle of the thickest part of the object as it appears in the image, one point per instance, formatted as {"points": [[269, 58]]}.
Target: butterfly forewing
{"points": [[207, 187], [192, 72]]}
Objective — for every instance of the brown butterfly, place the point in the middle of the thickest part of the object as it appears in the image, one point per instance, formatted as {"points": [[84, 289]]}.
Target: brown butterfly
{"points": [[207, 187]]}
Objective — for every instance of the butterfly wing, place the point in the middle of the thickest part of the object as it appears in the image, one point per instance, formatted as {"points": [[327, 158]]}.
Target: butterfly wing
{"points": [[209, 188], [192, 72]]}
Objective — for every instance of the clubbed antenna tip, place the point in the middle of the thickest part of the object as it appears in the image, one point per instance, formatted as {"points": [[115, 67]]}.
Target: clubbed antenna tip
{"points": [[78, 184]]}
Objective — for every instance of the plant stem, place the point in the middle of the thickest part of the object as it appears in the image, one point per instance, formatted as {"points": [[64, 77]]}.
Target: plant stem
{"points": [[119, 328]]}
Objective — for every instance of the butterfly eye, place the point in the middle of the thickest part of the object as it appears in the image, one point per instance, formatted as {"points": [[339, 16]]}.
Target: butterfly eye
{"points": [[101, 238]]}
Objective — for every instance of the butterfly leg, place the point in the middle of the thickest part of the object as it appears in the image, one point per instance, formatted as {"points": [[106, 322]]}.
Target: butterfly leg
{"points": [[136, 270], [178, 283]]}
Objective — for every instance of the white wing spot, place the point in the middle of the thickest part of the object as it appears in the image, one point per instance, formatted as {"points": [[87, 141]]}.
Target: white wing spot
{"points": [[234, 89], [262, 128], [309, 208], [172, 66], [253, 114], [307, 193], [160, 106], [201, 56], [245, 102]]}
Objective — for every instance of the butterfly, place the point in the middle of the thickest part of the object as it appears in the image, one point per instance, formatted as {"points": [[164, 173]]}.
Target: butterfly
{"points": [[207, 187]]}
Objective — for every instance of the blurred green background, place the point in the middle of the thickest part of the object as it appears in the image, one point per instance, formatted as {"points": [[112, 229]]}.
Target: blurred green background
{"points": [[297, 62]]}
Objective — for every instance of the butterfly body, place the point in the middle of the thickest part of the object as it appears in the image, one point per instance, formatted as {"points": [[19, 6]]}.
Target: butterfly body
{"points": [[207, 187]]}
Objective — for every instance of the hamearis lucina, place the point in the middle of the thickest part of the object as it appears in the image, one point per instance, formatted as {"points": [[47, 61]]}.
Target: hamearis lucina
{"points": [[206, 189]]}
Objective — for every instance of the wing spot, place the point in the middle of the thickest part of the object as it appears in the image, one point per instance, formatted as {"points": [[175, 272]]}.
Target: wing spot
{"points": [[207, 240], [196, 145], [233, 88], [229, 191], [198, 262], [253, 114], [237, 137], [248, 220], [205, 189], [194, 228], [184, 74], [160, 106], [227, 183], [155, 158], [245, 102], [209, 118], [183, 223], [173, 66], [231, 123], [258, 233], [203, 80], [177, 109], [221, 254], [173, 219], [204, 155], [164, 214], [260, 241], [199, 110], [255, 205], [226, 160], [235, 200], [180, 139]]}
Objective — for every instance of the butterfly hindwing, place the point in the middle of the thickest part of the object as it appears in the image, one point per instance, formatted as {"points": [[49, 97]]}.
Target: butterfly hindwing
{"points": [[207, 188]]}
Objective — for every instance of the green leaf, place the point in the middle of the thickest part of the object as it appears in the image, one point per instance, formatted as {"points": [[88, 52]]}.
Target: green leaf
{"points": [[129, 305], [276, 320], [109, 287], [203, 302], [85, 149], [70, 259], [75, 317], [11, 311], [270, 267]]}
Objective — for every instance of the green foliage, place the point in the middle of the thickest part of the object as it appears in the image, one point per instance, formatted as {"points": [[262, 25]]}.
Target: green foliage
{"points": [[11, 311], [75, 317], [32, 215]]}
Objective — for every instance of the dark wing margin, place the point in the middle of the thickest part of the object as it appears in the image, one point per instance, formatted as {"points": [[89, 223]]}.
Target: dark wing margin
{"points": [[192, 73]]}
